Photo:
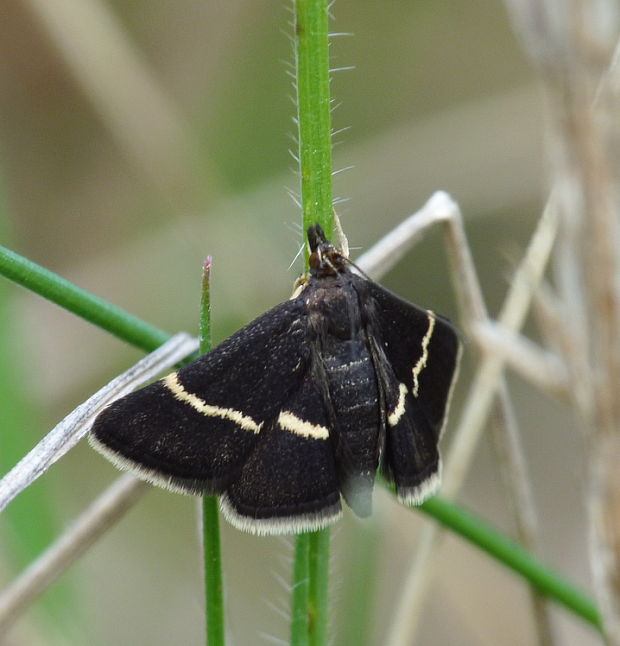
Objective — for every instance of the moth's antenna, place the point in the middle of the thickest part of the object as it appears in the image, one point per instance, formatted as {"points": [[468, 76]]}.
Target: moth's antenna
{"points": [[358, 269], [343, 243]]}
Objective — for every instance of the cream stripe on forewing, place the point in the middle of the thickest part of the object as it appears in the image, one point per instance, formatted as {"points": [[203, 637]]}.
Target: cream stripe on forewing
{"points": [[421, 364], [397, 413], [176, 388], [290, 422]]}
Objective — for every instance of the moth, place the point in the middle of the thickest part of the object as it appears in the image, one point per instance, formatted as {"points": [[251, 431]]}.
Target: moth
{"points": [[299, 408]]}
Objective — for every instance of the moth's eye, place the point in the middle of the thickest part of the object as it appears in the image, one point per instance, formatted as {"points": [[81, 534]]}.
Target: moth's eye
{"points": [[314, 260]]}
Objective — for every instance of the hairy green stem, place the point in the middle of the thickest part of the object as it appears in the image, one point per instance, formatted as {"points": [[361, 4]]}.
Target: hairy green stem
{"points": [[311, 568], [301, 592], [318, 566], [314, 112]]}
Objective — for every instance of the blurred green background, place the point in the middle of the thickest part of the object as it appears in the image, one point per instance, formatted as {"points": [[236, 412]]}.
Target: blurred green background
{"points": [[138, 137]]}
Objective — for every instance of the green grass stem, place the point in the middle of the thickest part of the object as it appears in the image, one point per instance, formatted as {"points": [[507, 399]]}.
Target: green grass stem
{"points": [[77, 300], [213, 575], [513, 556], [214, 586], [25, 539]]}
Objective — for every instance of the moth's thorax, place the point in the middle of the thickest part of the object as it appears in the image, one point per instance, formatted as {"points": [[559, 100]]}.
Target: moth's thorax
{"points": [[333, 307]]}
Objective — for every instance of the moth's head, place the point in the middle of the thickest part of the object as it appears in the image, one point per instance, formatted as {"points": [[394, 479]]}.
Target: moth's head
{"points": [[324, 259]]}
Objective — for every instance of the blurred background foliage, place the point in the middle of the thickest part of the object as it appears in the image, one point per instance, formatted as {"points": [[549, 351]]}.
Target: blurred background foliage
{"points": [[138, 137]]}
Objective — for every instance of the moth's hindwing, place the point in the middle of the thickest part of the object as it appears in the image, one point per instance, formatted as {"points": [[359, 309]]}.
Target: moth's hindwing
{"points": [[411, 457], [418, 353], [193, 430], [288, 483]]}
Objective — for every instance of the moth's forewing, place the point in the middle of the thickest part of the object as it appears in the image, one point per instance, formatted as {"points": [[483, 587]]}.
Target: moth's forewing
{"points": [[193, 430], [417, 353], [423, 349]]}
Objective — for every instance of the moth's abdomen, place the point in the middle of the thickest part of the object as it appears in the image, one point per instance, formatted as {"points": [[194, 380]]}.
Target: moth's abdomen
{"points": [[353, 393]]}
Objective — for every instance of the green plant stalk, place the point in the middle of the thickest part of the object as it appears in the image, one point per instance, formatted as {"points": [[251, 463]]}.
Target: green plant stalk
{"points": [[58, 611], [214, 587], [514, 557], [310, 589], [77, 300], [301, 592], [318, 566], [451, 516], [314, 112], [362, 566], [311, 567]]}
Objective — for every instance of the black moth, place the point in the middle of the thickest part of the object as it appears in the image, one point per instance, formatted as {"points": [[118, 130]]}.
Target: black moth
{"points": [[299, 407]]}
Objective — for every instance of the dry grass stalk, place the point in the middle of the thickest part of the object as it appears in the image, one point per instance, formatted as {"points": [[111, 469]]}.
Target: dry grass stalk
{"points": [[573, 46]]}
